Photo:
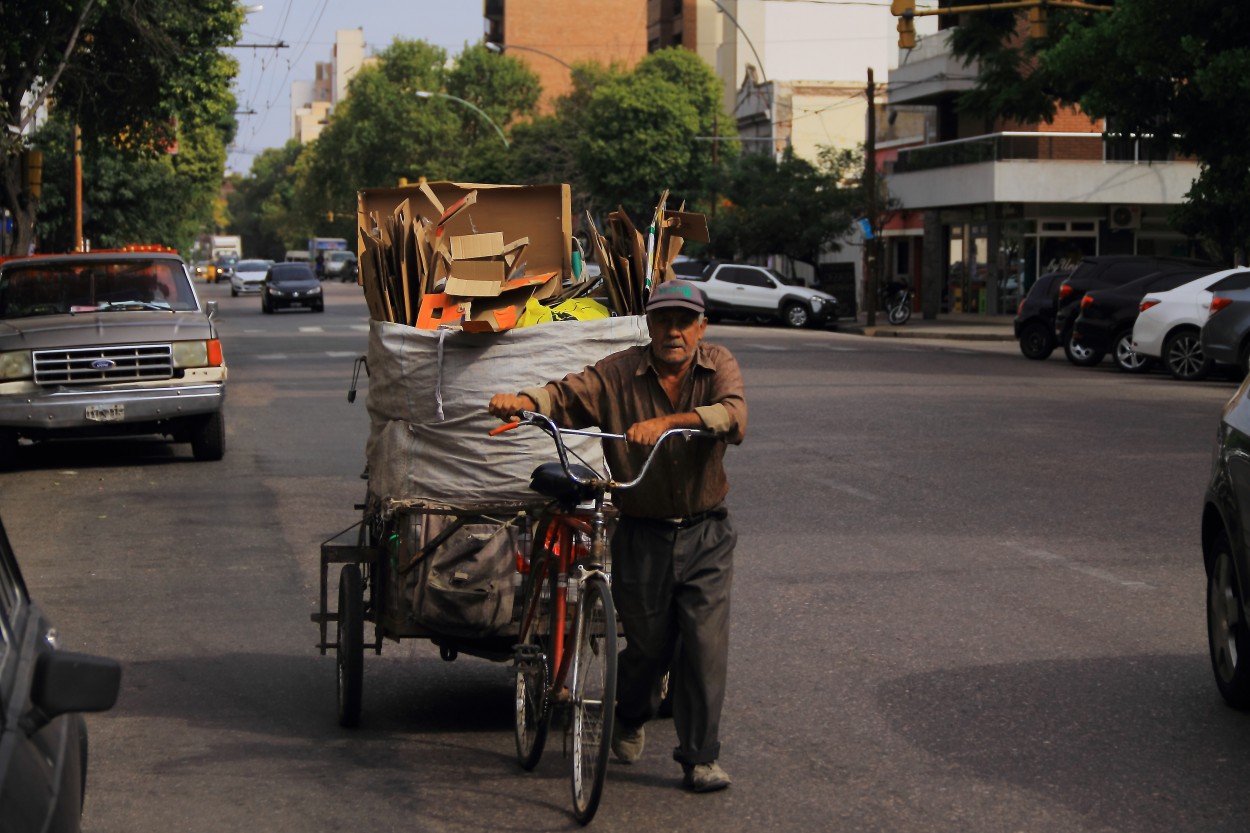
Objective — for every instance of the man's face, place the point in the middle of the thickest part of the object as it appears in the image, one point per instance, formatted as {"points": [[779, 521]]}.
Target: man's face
{"points": [[675, 335]]}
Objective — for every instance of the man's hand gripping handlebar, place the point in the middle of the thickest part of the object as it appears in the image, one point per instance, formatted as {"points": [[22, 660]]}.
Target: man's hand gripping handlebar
{"points": [[555, 432]]}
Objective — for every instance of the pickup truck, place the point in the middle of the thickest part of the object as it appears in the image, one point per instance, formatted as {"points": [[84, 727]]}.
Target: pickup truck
{"points": [[755, 293], [104, 344]]}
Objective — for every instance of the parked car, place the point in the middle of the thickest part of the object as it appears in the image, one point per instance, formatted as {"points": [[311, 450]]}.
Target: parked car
{"points": [[291, 285], [108, 343], [755, 293], [1225, 527], [1105, 324], [1226, 335], [1100, 273], [1170, 323], [248, 276], [44, 690], [1034, 324]]}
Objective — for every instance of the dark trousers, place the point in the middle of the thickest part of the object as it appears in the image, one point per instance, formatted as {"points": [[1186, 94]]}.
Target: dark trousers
{"points": [[667, 583]]}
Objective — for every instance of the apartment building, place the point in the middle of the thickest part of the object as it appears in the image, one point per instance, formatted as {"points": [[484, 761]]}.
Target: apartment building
{"points": [[312, 101], [988, 205]]}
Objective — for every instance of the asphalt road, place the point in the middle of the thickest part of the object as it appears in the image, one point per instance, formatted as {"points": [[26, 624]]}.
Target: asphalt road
{"points": [[969, 598]]}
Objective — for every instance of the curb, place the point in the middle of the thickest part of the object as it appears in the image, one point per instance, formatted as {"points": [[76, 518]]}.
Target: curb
{"points": [[971, 333]]}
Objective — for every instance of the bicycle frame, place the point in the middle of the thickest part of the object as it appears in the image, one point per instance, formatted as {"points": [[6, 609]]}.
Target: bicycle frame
{"points": [[577, 578]]}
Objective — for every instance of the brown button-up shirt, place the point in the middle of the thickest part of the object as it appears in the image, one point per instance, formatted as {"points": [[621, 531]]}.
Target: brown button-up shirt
{"points": [[686, 477]]}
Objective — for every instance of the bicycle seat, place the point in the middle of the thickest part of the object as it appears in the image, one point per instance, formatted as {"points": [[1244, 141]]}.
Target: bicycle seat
{"points": [[550, 480]]}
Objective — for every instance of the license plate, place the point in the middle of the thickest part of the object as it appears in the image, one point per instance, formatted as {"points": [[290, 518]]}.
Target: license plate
{"points": [[106, 413], [297, 303]]}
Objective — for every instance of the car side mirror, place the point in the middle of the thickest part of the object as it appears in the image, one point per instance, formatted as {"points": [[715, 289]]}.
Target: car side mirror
{"points": [[211, 306], [67, 682]]}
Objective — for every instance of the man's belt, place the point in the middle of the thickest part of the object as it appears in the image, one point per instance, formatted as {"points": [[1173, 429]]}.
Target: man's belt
{"points": [[719, 513]]}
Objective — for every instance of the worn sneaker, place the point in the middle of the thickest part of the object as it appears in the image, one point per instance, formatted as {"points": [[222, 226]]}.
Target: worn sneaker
{"points": [[705, 778], [627, 743]]}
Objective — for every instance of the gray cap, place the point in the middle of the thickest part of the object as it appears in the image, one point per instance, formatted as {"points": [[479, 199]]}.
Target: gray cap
{"points": [[676, 293]]}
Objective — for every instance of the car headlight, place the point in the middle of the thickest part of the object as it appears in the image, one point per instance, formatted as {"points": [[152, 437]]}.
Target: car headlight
{"points": [[197, 353], [315, 291], [16, 365]]}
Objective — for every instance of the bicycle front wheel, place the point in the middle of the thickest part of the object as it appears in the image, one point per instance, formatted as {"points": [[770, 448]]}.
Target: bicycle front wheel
{"points": [[593, 696]]}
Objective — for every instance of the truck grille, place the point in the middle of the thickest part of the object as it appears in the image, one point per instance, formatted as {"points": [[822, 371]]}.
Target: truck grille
{"points": [[95, 365]]}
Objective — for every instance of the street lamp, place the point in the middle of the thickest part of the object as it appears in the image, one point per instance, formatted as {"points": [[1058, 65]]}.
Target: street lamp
{"points": [[471, 106], [499, 49]]}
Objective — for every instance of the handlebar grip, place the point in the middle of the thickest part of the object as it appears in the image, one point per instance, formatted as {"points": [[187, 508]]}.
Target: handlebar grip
{"points": [[507, 426]]}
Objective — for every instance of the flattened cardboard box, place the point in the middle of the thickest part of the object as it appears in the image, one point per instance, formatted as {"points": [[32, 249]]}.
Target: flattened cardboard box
{"points": [[540, 213]]}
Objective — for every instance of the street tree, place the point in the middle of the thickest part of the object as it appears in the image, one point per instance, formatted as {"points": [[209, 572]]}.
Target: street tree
{"points": [[383, 132], [1175, 75], [136, 76], [786, 206], [641, 133], [262, 205]]}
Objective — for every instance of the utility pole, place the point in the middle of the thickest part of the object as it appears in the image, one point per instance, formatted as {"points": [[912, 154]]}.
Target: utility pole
{"points": [[871, 291], [77, 142]]}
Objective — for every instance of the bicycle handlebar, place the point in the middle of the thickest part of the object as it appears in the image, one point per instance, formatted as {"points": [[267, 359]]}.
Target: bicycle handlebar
{"points": [[548, 425]]}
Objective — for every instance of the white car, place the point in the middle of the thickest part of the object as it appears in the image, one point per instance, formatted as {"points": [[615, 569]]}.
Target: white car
{"points": [[1169, 326], [248, 276]]}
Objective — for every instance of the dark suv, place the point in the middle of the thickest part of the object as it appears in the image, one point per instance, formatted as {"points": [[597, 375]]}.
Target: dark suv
{"points": [[1034, 323], [1099, 273]]}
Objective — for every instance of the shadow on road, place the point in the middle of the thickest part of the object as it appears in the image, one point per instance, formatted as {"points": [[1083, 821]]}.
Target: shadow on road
{"points": [[1127, 742]]}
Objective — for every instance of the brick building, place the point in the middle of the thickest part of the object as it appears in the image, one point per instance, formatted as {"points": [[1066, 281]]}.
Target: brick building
{"points": [[551, 35]]}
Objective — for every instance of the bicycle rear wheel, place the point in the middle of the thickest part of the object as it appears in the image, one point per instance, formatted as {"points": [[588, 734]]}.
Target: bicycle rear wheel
{"points": [[593, 696], [533, 668]]}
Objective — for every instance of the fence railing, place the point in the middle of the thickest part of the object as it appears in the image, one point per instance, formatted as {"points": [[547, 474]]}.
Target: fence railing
{"points": [[1008, 146]]}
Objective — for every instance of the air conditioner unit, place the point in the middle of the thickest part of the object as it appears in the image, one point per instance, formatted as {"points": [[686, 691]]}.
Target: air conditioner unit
{"points": [[1123, 217]]}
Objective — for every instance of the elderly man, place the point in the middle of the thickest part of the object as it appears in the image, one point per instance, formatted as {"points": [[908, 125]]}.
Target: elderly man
{"points": [[673, 545]]}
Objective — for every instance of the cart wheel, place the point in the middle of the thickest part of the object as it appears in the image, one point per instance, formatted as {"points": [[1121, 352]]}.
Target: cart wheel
{"points": [[594, 697], [351, 645], [533, 670], [533, 712]]}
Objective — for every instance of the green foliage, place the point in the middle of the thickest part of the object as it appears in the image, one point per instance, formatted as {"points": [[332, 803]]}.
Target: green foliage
{"points": [[1178, 73], [641, 133], [262, 204], [135, 75], [787, 206]]}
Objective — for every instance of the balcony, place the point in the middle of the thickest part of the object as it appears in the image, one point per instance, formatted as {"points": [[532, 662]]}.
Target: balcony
{"points": [[931, 72], [1035, 167]]}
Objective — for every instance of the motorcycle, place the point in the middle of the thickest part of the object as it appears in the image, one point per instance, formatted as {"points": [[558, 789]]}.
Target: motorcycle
{"points": [[896, 298]]}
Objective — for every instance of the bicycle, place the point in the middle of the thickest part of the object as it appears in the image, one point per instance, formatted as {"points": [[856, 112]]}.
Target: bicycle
{"points": [[569, 565]]}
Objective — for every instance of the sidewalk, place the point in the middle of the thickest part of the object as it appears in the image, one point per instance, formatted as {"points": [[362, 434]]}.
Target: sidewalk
{"points": [[950, 325]]}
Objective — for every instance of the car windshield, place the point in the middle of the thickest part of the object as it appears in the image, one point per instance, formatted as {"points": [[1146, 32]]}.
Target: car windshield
{"points": [[253, 265], [60, 287], [690, 268], [341, 257], [291, 273]]}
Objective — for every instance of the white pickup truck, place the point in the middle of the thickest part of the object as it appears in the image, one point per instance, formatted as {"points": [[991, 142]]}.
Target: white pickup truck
{"points": [[755, 293]]}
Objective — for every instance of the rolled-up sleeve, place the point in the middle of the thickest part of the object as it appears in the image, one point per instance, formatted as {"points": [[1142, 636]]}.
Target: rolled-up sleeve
{"points": [[726, 408]]}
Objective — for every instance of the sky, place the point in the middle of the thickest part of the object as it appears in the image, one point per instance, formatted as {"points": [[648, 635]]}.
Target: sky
{"points": [[307, 28]]}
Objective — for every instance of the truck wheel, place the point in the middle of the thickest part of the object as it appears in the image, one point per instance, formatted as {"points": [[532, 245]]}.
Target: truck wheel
{"points": [[795, 315], [8, 449], [208, 438]]}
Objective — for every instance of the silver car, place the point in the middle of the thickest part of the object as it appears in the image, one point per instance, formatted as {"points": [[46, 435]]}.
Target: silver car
{"points": [[104, 344], [248, 276]]}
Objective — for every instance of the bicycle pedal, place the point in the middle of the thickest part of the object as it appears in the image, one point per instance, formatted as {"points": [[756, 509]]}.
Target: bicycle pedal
{"points": [[525, 657]]}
